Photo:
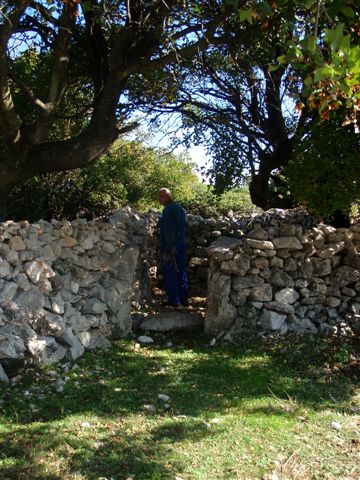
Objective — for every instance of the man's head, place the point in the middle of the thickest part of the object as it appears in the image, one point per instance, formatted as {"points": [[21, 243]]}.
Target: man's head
{"points": [[164, 196]]}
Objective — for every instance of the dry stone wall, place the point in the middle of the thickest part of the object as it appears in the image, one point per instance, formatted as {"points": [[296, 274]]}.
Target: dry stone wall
{"points": [[285, 273], [68, 286]]}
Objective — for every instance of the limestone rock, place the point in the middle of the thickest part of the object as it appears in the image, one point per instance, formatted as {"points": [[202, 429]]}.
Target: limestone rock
{"points": [[287, 243], [260, 244], [223, 248], [3, 377], [287, 295], [172, 321], [272, 320]]}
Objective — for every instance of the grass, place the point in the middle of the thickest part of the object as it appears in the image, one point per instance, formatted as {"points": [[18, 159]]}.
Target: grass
{"points": [[281, 409]]}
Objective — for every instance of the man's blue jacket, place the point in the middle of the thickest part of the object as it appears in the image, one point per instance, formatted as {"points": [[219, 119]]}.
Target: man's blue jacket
{"points": [[172, 226]]}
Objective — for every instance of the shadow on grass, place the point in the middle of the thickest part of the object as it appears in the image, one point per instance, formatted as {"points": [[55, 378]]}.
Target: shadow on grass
{"points": [[202, 382]]}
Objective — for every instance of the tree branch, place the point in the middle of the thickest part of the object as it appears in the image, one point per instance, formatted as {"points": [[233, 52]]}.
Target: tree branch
{"points": [[10, 121]]}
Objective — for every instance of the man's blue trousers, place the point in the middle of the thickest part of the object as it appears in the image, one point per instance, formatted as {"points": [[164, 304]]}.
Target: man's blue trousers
{"points": [[175, 277]]}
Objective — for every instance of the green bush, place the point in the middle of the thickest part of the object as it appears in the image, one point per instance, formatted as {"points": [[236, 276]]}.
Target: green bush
{"points": [[130, 174], [206, 202], [324, 174]]}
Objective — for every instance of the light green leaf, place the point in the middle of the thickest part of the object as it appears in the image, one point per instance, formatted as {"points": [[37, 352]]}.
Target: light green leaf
{"points": [[308, 4], [334, 36], [273, 68], [246, 15], [282, 59], [324, 73]]}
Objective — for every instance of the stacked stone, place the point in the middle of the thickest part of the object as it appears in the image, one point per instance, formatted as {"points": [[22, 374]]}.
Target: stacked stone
{"points": [[67, 286], [203, 231], [284, 276], [201, 234]]}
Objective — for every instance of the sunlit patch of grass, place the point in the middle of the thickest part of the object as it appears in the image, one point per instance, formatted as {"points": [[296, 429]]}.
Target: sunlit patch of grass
{"points": [[283, 407]]}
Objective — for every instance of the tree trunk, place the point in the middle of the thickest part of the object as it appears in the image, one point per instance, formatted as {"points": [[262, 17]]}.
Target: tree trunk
{"points": [[261, 194]]}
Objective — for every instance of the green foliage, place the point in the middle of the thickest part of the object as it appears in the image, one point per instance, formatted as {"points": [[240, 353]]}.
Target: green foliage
{"points": [[131, 173], [238, 200], [324, 174], [206, 202]]}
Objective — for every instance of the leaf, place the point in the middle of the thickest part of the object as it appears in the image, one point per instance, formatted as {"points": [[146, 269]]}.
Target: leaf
{"points": [[282, 59], [246, 15], [347, 11], [310, 43], [324, 73], [334, 36], [273, 68], [308, 4], [308, 81]]}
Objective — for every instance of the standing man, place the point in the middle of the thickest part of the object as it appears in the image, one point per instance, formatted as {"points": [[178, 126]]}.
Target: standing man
{"points": [[173, 250]]}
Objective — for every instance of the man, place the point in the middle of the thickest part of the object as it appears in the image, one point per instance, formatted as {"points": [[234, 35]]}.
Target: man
{"points": [[173, 250]]}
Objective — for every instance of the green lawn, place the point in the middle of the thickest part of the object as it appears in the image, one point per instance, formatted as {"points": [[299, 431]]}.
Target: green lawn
{"points": [[280, 409]]}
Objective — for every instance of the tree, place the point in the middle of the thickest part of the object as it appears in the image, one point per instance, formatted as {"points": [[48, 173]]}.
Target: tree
{"points": [[234, 103], [65, 109], [131, 173], [324, 173], [84, 50], [250, 97]]}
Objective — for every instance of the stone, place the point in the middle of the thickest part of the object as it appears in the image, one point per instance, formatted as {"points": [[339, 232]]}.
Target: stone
{"points": [[343, 276], [94, 306], [321, 268], [287, 243], [277, 262], [287, 230], [163, 397], [172, 321], [76, 349], [68, 241], [349, 292], [307, 325], [258, 234], [93, 339], [37, 270], [280, 307], [3, 377], [260, 263], [5, 268], [290, 264], [260, 244], [238, 265], [220, 313], [48, 254], [8, 292], [246, 282], [332, 302], [280, 278], [45, 350], [16, 243], [145, 340], [57, 304], [332, 249], [261, 294], [223, 248], [12, 257], [31, 299], [287, 295], [272, 320]]}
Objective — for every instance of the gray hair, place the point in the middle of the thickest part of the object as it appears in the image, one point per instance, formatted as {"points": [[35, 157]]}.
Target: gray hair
{"points": [[165, 190]]}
